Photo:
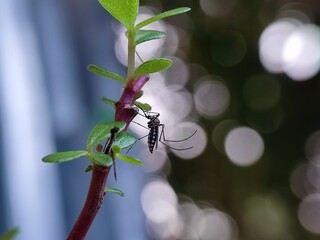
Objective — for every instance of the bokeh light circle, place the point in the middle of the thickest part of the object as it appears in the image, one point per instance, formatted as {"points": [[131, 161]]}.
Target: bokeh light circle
{"points": [[292, 47], [301, 53], [214, 224], [198, 141], [308, 213], [217, 8], [153, 162], [211, 98], [178, 74], [220, 132], [312, 146], [244, 146], [297, 180], [313, 177]]}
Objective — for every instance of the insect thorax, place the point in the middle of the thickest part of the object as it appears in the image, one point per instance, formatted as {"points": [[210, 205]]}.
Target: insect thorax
{"points": [[153, 123]]}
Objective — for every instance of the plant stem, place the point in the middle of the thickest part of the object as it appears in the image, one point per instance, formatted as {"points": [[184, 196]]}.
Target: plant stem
{"points": [[92, 205], [131, 53], [124, 113]]}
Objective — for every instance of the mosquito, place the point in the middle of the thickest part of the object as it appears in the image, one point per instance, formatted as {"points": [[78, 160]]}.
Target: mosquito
{"points": [[107, 148], [153, 136]]}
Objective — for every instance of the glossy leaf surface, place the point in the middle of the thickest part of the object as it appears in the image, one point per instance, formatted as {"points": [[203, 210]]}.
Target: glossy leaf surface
{"points": [[102, 131], [108, 101], [125, 11], [148, 35], [61, 157], [144, 106], [114, 190], [128, 159], [105, 73], [100, 159], [166, 14], [125, 140], [152, 66]]}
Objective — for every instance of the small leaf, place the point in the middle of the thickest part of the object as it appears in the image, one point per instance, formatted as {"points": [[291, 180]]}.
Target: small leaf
{"points": [[128, 159], [108, 101], [125, 11], [102, 131], [148, 35], [60, 157], [144, 106], [152, 66], [88, 168], [114, 190], [161, 16], [10, 234], [125, 140], [100, 159], [116, 149], [139, 95], [105, 73]]}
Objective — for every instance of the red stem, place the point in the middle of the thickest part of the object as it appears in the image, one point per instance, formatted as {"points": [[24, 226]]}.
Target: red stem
{"points": [[96, 193], [93, 203]]}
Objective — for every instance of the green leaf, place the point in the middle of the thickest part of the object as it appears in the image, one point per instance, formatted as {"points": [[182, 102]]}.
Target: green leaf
{"points": [[125, 140], [152, 66], [10, 234], [116, 149], [100, 159], [161, 16], [61, 157], [114, 190], [128, 159], [88, 168], [125, 11], [148, 35], [144, 106], [139, 95], [108, 101], [102, 131], [105, 73]]}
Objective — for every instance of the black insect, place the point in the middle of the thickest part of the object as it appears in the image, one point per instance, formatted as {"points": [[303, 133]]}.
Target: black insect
{"points": [[107, 148], [153, 135]]}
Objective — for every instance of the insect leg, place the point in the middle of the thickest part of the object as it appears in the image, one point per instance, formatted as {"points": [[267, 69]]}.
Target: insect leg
{"points": [[138, 140], [167, 140], [140, 125], [162, 135]]}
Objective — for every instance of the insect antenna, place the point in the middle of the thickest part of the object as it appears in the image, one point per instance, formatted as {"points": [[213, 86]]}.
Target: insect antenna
{"points": [[139, 56]]}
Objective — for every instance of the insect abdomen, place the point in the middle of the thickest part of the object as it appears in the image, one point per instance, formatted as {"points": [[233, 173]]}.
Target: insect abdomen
{"points": [[152, 138]]}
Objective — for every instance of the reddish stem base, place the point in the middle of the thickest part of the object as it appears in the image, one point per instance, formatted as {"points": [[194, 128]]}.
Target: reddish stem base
{"points": [[93, 203]]}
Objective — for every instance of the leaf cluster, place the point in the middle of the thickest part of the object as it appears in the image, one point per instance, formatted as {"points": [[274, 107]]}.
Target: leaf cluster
{"points": [[126, 11], [101, 132]]}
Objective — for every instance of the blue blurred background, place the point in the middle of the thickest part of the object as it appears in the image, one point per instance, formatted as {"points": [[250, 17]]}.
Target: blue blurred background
{"points": [[245, 76]]}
